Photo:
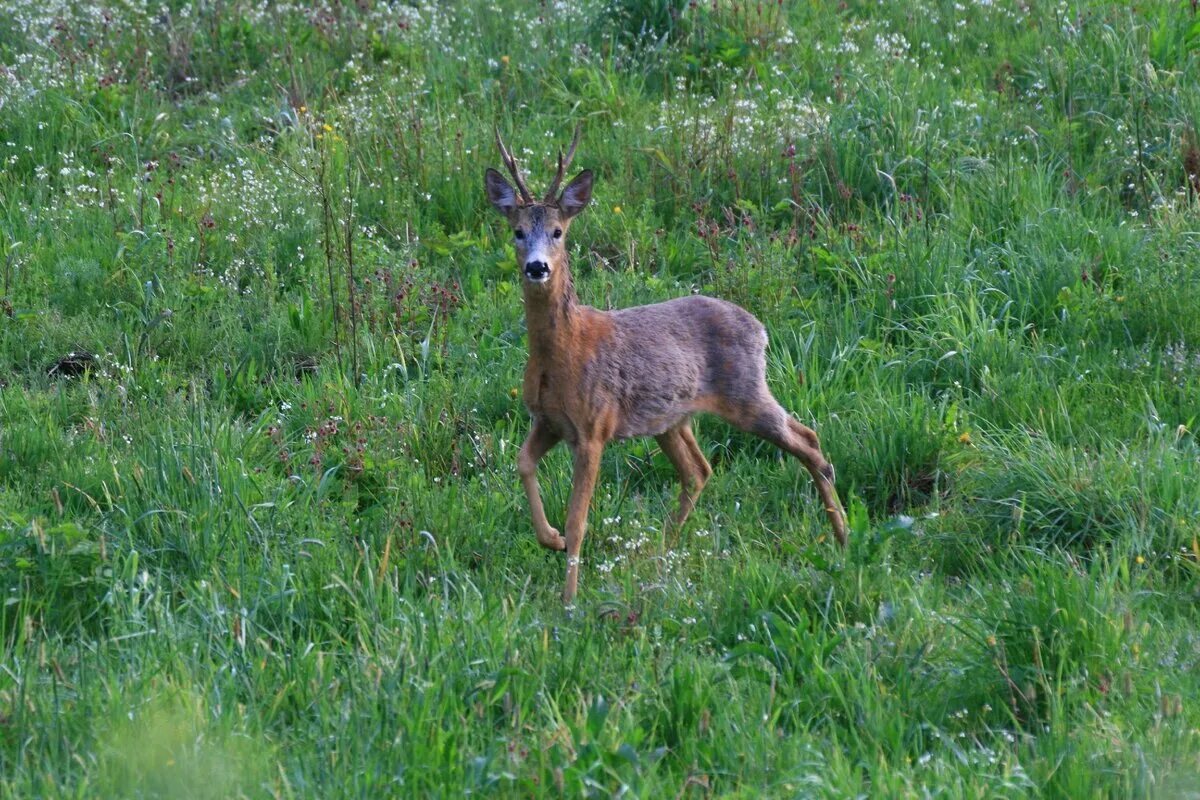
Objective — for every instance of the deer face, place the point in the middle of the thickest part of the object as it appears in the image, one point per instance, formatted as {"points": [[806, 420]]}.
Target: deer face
{"points": [[540, 229]]}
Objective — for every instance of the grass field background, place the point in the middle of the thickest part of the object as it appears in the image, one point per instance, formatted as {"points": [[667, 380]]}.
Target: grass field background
{"points": [[261, 533]]}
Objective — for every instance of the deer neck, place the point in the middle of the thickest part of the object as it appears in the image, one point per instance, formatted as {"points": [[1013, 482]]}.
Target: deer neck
{"points": [[551, 314]]}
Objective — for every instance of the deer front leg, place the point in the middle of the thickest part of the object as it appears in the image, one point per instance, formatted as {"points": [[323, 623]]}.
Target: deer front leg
{"points": [[540, 440], [587, 464]]}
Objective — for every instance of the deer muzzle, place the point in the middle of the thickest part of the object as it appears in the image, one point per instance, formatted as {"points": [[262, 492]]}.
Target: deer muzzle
{"points": [[537, 271]]}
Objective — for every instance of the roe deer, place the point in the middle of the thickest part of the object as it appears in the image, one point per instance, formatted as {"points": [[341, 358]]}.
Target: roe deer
{"points": [[594, 376]]}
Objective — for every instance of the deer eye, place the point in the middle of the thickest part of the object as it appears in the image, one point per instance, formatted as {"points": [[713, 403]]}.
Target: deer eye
{"points": [[520, 234], [558, 233]]}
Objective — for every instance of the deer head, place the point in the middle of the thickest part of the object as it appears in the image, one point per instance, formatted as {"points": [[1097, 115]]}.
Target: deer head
{"points": [[539, 227]]}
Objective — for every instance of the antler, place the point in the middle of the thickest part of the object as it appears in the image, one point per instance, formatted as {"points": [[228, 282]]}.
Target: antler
{"points": [[551, 194], [511, 163]]}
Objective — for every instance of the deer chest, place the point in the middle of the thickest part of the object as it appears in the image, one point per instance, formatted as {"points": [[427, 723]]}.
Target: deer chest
{"points": [[547, 398]]}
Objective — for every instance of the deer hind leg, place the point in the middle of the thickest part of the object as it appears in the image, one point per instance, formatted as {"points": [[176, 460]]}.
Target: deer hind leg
{"points": [[587, 465], [540, 440], [680, 447], [825, 481], [771, 422], [697, 454]]}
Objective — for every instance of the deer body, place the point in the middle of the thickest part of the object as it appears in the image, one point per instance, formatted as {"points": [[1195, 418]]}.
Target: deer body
{"points": [[643, 371], [594, 376]]}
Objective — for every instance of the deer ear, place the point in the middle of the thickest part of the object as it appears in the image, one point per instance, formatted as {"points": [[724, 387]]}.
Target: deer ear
{"points": [[500, 194], [577, 194]]}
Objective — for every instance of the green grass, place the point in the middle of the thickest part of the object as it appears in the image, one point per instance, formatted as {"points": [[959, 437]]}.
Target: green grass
{"points": [[265, 537]]}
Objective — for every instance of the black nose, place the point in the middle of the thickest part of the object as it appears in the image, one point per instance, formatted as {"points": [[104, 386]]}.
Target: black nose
{"points": [[536, 270]]}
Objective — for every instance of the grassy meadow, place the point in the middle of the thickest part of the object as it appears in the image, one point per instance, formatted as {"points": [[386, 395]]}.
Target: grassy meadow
{"points": [[261, 532]]}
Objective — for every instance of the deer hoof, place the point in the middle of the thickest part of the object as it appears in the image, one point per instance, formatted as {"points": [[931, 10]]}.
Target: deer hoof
{"points": [[553, 540]]}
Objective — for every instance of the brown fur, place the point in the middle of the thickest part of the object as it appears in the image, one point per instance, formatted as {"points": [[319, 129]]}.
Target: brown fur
{"points": [[595, 376]]}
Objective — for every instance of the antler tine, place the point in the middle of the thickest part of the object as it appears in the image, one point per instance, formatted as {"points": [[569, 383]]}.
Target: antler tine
{"points": [[551, 194], [511, 163]]}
